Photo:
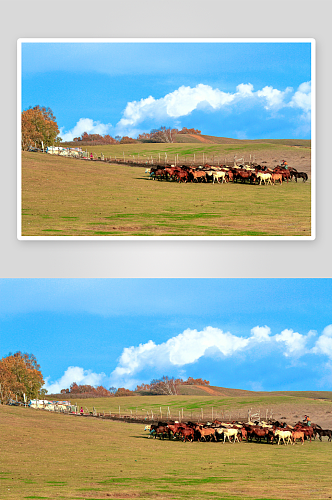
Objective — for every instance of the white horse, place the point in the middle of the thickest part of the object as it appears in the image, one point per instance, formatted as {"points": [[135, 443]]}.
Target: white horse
{"points": [[266, 178], [219, 176], [283, 435], [229, 433]]}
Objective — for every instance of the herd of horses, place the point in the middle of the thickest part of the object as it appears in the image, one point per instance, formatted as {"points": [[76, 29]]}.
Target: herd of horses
{"points": [[253, 174], [274, 432]]}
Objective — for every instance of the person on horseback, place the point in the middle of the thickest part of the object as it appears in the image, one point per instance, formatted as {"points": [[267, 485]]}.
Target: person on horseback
{"points": [[307, 420], [284, 164]]}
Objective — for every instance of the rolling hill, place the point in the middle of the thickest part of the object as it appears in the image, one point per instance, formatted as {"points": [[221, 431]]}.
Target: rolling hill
{"points": [[209, 139], [200, 390]]}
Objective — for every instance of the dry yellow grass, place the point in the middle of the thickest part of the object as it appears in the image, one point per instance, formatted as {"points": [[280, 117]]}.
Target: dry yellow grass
{"points": [[68, 197], [51, 456]]}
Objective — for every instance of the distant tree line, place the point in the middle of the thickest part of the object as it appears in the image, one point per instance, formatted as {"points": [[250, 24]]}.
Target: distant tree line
{"points": [[162, 386], [76, 389], [186, 130], [161, 135], [168, 386], [20, 377]]}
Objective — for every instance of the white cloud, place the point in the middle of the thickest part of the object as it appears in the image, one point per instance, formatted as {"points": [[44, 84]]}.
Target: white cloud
{"points": [[85, 125], [294, 342], [245, 89], [324, 343], [191, 345], [184, 100], [178, 351], [261, 333], [74, 374], [274, 98], [302, 98], [187, 348], [181, 102]]}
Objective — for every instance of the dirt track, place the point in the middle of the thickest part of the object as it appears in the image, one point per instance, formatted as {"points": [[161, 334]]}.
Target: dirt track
{"points": [[319, 410], [299, 159], [318, 413]]}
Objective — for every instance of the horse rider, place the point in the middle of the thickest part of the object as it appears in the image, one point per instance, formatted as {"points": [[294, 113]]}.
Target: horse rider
{"points": [[307, 420], [284, 164]]}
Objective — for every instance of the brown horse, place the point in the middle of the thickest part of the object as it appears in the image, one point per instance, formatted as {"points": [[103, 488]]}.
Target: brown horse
{"points": [[244, 175], [181, 176], [306, 429], [197, 176], [297, 435], [285, 173], [276, 177]]}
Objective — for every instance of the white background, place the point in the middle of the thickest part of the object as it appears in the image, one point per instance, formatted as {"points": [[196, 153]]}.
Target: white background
{"points": [[180, 19]]}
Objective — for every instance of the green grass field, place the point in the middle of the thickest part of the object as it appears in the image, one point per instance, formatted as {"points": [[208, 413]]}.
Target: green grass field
{"points": [[189, 146], [191, 406], [67, 197], [52, 456]]}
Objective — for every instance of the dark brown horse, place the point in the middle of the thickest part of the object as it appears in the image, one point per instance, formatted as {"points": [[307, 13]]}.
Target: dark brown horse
{"points": [[243, 175], [300, 175]]}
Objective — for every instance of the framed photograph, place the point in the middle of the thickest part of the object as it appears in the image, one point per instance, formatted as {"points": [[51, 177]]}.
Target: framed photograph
{"points": [[130, 139]]}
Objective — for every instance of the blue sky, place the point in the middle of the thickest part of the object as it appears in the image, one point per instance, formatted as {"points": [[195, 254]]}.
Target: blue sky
{"points": [[239, 90], [254, 334]]}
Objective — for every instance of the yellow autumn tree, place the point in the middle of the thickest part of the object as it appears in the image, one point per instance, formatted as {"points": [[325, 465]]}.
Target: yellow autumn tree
{"points": [[39, 126], [20, 374]]}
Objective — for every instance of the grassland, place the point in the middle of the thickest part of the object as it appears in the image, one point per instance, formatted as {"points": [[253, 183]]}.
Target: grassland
{"points": [[188, 407], [52, 456], [67, 197], [221, 148]]}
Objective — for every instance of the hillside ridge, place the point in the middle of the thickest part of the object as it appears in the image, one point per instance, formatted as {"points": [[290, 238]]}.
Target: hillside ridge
{"points": [[200, 390]]}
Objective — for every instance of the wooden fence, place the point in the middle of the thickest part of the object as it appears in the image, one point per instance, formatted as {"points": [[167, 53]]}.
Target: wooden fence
{"points": [[206, 414], [166, 159], [176, 159]]}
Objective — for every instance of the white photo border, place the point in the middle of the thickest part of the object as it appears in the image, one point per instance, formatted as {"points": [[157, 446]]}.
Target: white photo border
{"points": [[312, 41]]}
